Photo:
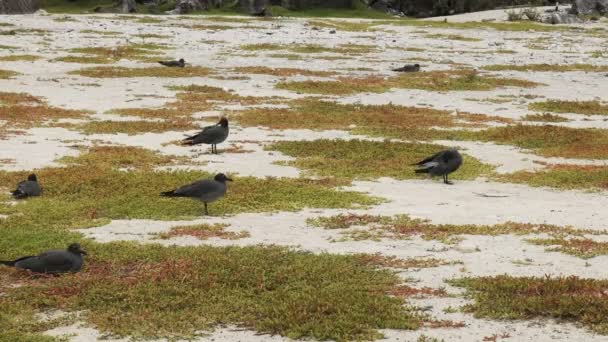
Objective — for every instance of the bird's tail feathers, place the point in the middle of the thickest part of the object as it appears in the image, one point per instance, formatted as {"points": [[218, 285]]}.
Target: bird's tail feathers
{"points": [[425, 170], [169, 194]]}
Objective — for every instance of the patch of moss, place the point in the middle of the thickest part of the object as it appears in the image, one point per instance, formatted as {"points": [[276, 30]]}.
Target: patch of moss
{"points": [[380, 260], [105, 33], [563, 177], [370, 227], [119, 72], [577, 107], [348, 26], [147, 52], [547, 67], [361, 159], [567, 298], [22, 110], [83, 59], [19, 58], [460, 80]]}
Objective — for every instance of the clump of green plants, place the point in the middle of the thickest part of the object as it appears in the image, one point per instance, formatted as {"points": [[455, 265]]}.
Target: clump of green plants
{"points": [[136, 127], [205, 231], [19, 58], [120, 72], [362, 159], [282, 72], [547, 140], [452, 37], [563, 177], [21, 110], [459, 80], [402, 121], [580, 247], [380, 260], [147, 52], [7, 74], [577, 107], [145, 292], [372, 227], [547, 67], [347, 26], [566, 298], [545, 117]]}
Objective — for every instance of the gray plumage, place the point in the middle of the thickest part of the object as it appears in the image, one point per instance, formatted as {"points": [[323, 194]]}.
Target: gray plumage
{"points": [[27, 188], [408, 68], [181, 63], [212, 135], [441, 164], [51, 262], [206, 190]]}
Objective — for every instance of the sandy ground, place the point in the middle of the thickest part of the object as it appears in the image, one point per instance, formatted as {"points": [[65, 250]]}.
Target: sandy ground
{"points": [[462, 203]]}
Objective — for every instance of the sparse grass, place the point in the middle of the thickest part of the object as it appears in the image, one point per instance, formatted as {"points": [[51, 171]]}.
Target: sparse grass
{"points": [[268, 289], [65, 19], [452, 37], [282, 72], [563, 177], [379, 120], [520, 26], [460, 80], [19, 58], [580, 247], [361, 159], [136, 127], [152, 35], [546, 117], [83, 59], [369, 227], [547, 67], [120, 72], [6, 74], [577, 107], [205, 231], [289, 56], [505, 297], [7, 47]]}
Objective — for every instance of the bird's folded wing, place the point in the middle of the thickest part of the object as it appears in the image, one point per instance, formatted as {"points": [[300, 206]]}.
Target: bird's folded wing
{"points": [[196, 188]]}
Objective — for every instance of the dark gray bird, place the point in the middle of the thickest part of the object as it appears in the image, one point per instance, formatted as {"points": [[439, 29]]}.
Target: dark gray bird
{"points": [[28, 188], [51, 262], [441, 164], [181, 63], [213, 135], [206, 190], [408, 68]]}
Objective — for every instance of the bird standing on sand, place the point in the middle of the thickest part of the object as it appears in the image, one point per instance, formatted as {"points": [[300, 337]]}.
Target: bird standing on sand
{"points": [[27, 188], [206, 190], [51, 262], [213, 135], [441, 164], [408, 68], [181, 63]]}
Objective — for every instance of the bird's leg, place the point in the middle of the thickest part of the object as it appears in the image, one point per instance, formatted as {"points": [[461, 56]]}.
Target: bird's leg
{"points": [[206, 212], [446, 181]]}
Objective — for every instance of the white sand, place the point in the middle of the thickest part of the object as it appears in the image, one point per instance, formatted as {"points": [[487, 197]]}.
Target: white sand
{"points": [[462, 203]]}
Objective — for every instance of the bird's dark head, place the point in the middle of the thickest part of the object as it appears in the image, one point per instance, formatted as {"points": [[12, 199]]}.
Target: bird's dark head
{"points": [[223, 122], [181, 60], [220, 177], [76, 249], [32, 178], [417, 65]]}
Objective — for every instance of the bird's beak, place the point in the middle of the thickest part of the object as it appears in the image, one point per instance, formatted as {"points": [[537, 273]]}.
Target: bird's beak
{"points": [[229, 179]]}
